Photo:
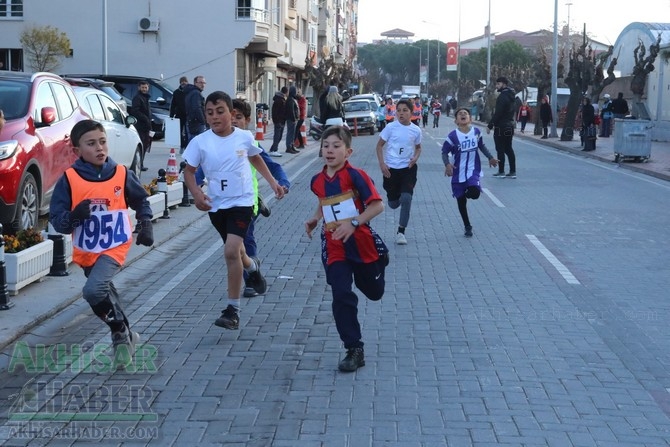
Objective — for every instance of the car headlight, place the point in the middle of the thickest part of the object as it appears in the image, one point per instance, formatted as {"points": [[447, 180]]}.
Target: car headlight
{"points": [[8, 148]]}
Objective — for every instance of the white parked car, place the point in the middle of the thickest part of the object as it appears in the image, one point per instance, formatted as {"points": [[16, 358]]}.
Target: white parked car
{"points": [[125, 146]]}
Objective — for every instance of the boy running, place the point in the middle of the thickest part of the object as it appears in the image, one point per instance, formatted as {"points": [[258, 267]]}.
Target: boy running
{"points": [[91, 201], [226, 154], [398, 162], [351, 250], [241, 117]]}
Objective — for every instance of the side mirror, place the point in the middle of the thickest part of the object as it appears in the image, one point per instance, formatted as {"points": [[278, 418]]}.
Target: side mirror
{"points": [[130, 120], [48, 115], [160, 100]]}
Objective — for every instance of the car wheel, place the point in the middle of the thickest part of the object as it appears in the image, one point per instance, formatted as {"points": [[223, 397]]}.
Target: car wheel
{"points": [[28, 205], [136, 165]]}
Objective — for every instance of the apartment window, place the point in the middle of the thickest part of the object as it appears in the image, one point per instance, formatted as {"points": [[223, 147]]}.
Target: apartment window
{"points": [[11, 8]]}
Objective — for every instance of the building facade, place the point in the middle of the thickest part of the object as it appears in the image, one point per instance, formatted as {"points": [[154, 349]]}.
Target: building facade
{"points": [[247, 48]]}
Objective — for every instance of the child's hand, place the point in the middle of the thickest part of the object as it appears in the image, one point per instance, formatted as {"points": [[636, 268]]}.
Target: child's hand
{"points": [[203, 202], [279, 190], [493, 162], [385, 170], [343, 231], [449, 170], [310, 225]]}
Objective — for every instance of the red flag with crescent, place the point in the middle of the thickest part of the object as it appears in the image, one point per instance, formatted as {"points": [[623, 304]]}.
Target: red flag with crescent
{"points": [[452, 55]]}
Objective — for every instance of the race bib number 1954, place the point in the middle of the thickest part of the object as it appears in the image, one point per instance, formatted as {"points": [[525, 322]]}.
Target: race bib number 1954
{"points": [[102, 231]]}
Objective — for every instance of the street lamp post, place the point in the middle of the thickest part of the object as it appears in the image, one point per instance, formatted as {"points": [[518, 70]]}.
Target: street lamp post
{"points": [[439, 44], [568, 5], [488, 50], [554, 70]]}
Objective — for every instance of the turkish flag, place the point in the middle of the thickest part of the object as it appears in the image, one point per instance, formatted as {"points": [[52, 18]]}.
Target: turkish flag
{"points": [[452, 55]]}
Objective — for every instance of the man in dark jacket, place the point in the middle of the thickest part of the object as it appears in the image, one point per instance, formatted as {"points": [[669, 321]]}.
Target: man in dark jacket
{"points": [[142, 112], [178, 109], [278, 119], [502, 123], [195, 107], [292, 115]]}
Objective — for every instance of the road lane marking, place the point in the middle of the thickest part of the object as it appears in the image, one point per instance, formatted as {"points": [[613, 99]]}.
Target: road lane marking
{"points": [[493, 198], [549, 256]]}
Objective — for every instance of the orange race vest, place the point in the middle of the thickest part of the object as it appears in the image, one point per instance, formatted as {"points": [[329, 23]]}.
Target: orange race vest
{"points": [[108, 231], [416, 113], [390, 112]]}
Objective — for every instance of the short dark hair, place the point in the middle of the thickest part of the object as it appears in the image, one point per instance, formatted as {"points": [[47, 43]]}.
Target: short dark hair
{"points": [[81, 128], [217, 96], [503, 79], [243, 106], [340, 132], [408, 102], [143, 82], [183, 79], [284, 90]]}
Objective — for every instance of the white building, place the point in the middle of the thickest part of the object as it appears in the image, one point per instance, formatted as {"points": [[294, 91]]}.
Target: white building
{"points": [[247, 48]]}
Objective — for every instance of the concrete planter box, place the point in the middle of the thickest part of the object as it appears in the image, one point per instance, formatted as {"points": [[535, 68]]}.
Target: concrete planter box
{"points": [[29, 265], [157, 203], [175, 193]]}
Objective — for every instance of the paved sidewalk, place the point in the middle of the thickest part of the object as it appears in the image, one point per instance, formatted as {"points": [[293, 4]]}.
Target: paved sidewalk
{"points": [[658, 165]]}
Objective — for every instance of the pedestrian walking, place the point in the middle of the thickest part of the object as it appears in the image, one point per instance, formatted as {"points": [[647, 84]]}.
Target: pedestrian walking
{"points": [[546, 117], [278, 114], [524, 115], [464, 143], [91, 201], [352, 252]]}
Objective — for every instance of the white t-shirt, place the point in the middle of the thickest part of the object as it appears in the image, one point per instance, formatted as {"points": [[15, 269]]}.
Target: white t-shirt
{"points": [[401, 140], [225, 162]]}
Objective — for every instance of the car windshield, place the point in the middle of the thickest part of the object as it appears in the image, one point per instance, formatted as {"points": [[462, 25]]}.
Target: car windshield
{"points": [[14, 98], [357, 106]]}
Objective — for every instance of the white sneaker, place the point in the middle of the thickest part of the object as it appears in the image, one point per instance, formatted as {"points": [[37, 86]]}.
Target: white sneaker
{"points": [[400, 239], [274, 154]]}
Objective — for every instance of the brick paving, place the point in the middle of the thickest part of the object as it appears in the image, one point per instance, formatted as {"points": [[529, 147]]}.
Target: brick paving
{"points": [[477, 341]]}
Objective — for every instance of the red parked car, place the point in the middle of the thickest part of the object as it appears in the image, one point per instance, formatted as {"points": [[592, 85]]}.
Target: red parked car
{"points": [[40, 110]]}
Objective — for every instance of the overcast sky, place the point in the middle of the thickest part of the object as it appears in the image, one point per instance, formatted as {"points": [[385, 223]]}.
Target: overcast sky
{"points": [[604, 19]]}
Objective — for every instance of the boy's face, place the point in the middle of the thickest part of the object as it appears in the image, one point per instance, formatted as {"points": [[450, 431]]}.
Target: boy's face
{"points": [[218, 118], [463, 118], [93, 147], [237, 119], [335, 152], [403, 113]]}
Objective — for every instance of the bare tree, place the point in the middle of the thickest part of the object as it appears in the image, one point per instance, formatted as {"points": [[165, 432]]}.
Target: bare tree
{"points": [[320, 76], [643, 66], [44, 47], [599, 79]]}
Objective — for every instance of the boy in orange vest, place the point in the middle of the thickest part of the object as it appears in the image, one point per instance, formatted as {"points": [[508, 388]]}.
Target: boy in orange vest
{"points": [[91, 201]]}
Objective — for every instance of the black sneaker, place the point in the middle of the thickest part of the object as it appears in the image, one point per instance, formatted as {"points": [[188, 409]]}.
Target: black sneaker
{"points": [[468, 231], [511, 175], [124, 347], [249, 292], [263, 210], [354, 359], [256, 279], [229, 319], [499, 174]]}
